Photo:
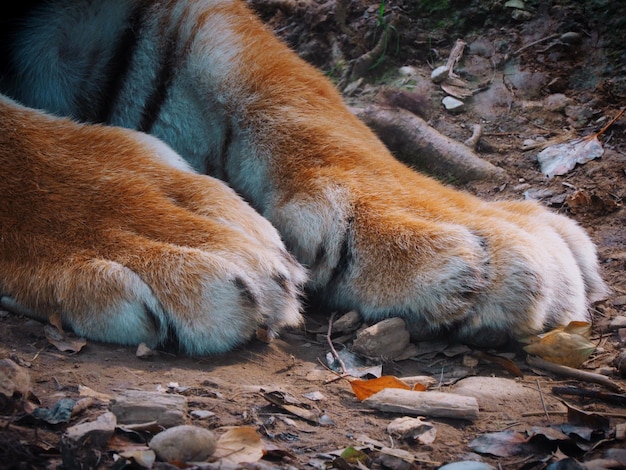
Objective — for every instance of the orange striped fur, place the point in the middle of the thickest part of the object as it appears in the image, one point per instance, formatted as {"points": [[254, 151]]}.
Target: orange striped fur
{"points": [[111, 229]]}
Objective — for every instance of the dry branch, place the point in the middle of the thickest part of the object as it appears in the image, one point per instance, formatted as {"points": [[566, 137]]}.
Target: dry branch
{"points": [[436, 404], [416, 143], [570, 372]]}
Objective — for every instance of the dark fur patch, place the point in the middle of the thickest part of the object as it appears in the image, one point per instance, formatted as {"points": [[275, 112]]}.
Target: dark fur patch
{"points": [[249, 298]]}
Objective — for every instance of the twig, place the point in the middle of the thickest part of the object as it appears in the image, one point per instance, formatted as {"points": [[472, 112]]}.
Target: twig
{"points": [[455, 55], [608, 414], [534, 43], [344, 369], [472, 142], [614, 398], [604, 129], [543, 403], [577, 374]]}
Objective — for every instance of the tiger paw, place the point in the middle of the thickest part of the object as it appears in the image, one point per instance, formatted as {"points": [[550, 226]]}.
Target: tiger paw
{"points": [[128, 246]]}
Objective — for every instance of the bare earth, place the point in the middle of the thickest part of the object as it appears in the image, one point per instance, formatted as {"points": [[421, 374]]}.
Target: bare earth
{"points": [[511, 109]]}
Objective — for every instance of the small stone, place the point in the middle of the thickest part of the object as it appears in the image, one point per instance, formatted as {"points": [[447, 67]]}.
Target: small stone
{"points": [[521, 15], [412, 429], [202, 414], [82, 442], [407, 71], [97, 432], [144, 352], [347, 322], [388, 338], [14, 380], [184, 444], [439, 74], [557, 102], [571, 38], [519, 4], [453, 105]]}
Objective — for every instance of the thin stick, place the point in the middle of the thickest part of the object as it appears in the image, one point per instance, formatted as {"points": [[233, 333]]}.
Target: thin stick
{"points": [[603, 130], [472, 142], [534, 43], [608, 414], [344, 369], [543, 403], [577, 374]]}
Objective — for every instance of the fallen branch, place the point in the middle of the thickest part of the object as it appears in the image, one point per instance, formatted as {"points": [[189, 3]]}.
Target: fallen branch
{"points": [[472, 142], [577, 374], [436, 404], [455, 55], [344, 370], [416, 143], [614, 398]]}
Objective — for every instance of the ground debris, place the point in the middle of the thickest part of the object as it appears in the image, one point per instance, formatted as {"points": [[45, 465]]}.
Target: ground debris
{"points": [[138, 406]]}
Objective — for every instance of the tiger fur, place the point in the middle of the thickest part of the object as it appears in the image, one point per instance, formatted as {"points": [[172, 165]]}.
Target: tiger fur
{"points": [[105, 225]]}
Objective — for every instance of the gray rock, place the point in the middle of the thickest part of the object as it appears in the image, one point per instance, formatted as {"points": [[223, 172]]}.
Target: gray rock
{"points": [[439, 74], [453, 105], [388, 338], [14, 380], [139, 406], [184, 444]]}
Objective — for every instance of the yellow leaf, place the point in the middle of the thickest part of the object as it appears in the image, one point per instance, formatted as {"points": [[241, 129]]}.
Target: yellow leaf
{"points": [[365, 388], [240, 445], [568, 346]]}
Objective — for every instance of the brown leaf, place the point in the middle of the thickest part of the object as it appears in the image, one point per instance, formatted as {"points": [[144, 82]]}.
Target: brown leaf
{"points": [[63, 341], [240, 445], [506, 363], [568, 346], [365, 388]]}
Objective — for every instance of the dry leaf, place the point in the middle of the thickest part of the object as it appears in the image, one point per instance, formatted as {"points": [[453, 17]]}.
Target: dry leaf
{"points": [[561, 158], [365, 388], [506, 363], [56, 321], [568, 346], [62, 341], [240, 445]]}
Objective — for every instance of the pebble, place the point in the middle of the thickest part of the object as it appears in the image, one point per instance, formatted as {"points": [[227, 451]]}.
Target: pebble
{"points": [[407, 71], [412, 429], [184, 443], [453, 105], [557, 102], [14, 380], [439, 74], [388, 338], [347, 322], [202, 414], [96, 433]]}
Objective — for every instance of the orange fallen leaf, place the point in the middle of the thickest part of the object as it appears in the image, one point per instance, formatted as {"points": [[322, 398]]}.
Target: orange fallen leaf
{"points": [[365, 388]]}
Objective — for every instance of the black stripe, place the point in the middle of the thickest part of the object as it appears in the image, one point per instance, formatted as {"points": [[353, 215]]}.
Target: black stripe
{"points": [[222, 172], [155, 101], [119, 65], [248, 297], [345, 258]]}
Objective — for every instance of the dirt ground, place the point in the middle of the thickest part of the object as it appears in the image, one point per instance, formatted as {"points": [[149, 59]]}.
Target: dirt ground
{"points": [[512, 109]]}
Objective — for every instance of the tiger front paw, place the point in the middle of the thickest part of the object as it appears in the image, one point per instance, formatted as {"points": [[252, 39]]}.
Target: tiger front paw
{"points": [[446, 261], [128, 246]]}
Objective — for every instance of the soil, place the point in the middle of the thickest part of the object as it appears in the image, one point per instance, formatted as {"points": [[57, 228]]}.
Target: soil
{"points": [[511, 108]]}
